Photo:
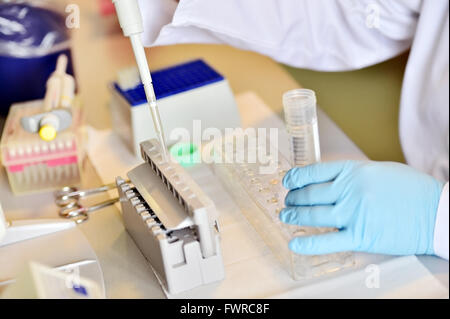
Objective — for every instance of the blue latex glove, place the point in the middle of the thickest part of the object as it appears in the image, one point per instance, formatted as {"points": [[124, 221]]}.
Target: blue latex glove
{"points": [[378, 207]]}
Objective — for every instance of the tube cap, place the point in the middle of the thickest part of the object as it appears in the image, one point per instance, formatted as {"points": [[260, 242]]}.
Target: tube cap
{"points": [[47, 133]]}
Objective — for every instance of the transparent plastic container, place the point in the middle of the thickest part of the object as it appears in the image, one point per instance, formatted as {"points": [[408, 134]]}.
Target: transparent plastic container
{"points": [[260, 196], [33, 34], [34, 165], [301, 124]]}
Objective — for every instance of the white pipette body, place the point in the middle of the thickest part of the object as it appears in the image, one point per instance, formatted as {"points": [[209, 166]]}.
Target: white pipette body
{"points": [[130, 20]]}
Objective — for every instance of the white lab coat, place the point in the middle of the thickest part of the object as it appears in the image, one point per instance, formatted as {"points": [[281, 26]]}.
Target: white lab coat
{"points": [[337, 35]]}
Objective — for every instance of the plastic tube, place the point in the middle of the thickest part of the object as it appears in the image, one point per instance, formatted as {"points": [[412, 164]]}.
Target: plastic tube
{"points": [[301, 123]]}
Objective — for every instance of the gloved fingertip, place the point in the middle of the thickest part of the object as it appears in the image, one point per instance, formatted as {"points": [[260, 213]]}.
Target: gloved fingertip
{"points": [[284, 214], [287, 179], [295, 245], [287, 201]]}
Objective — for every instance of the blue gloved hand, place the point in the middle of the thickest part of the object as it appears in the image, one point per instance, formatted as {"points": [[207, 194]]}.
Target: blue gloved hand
{"points": [[378, 207]]}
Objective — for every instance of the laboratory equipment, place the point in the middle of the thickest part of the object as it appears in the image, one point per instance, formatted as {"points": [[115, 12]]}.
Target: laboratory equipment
{"points": [[130, 20], [20, 230], [79, 213], [68, 197], [301, 124], [259, 193], [46, 240], [33, 164], [129, 78], [60, 90], [48, 124], [69, 194], [56, 113], [42, 282], [32, 36], [189, 91], [172, 221]]}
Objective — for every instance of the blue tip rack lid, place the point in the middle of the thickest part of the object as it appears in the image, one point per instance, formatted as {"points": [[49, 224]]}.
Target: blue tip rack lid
{"points": [[174, 80]]}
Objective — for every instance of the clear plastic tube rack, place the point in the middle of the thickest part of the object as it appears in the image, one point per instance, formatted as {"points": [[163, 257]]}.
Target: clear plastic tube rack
{"points": [[260, 197]]}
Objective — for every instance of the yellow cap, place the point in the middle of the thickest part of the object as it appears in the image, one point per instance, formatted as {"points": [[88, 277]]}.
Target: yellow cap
{"points": [[47, 133]]}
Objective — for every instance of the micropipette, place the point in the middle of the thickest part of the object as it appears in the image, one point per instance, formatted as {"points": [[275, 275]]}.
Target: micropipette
{"points": [[130, 20]]}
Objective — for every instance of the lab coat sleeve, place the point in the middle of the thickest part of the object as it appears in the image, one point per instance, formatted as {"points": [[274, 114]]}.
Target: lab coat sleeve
{"points": [[441, 238], [329, 35]]}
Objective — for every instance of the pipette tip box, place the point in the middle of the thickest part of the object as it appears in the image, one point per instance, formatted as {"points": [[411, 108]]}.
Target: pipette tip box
{"points": [[185, 92], [34, 165]]}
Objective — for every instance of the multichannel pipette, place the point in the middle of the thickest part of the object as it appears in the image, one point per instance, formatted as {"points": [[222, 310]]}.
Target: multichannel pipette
{"points": [[130, 20]]}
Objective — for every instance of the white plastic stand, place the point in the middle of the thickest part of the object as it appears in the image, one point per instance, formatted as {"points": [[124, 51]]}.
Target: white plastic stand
{"points": [[27, 229]]}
